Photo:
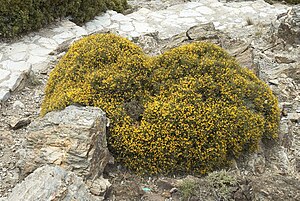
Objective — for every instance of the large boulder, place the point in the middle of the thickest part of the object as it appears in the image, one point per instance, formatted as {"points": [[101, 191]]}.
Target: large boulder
{"points": [[289, 29], [75, 139], [51, 183]]}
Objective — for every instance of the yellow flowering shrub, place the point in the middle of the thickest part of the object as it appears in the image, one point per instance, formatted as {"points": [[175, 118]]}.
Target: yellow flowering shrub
{"points": [[189, 110]]}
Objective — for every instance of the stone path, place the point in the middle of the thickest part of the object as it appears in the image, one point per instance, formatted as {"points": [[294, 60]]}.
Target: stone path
{"points": [[31, 53]]}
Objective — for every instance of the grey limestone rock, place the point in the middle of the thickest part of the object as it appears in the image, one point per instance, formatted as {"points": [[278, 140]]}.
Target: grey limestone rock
{"points": [[51, 183], [74, 138], [289, 29], [269, 187]]}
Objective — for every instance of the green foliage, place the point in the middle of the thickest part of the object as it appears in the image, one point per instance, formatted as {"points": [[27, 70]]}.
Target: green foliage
{"points": [[189, 110], [292, 1], [19, 16], [222, 184], [218, 185], [188, 188], [287, 1]]}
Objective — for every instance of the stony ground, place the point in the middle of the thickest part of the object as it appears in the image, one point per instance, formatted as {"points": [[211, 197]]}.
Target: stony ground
{"points": [[25, 65]]}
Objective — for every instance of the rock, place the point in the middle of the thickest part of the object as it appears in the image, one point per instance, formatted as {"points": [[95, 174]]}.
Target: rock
{"points": [[63, 47], [64, 36], [205, 10], [240, 49], [283, 60], [47, 43], [20, 124], [153, 197], [148, 42], [269, 187], [4, 94], [294, 73], [142, 27], [294, 117], [243, 52], [20, 66], [175, 41], [173, 190], [4, 74], [202, 32], [126, 189], [74, 138], [18, 56], [51, 183], [79, 31], [127, 27], [164, 185], [18, 104], [284, 136], [166, 194], [120, 18], [257, 164], [39, 51], [274, 82], [98, 186], [14, 80], [279, 158], [289, 29], [104, 19]]}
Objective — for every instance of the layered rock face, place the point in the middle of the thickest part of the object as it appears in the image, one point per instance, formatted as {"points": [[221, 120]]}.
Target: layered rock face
{"points": [[51, 183], [74, 139], [289, 29]]}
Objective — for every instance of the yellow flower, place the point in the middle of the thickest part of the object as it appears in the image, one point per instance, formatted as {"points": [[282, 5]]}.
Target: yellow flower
{"points": [[188, 110]]}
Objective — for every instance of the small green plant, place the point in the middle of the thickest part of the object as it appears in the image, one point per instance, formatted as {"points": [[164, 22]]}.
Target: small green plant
{"points": [[222, 184], [293, 1], [188, 188], [33, 80]]}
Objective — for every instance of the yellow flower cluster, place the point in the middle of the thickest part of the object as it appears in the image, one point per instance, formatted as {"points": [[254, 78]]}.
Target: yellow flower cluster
{"points": [[189, 110]]}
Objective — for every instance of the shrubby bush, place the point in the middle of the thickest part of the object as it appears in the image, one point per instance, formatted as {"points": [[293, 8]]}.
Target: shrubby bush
{"points": [[287, 1], [19, 16], [189, 110], [293, 1]]}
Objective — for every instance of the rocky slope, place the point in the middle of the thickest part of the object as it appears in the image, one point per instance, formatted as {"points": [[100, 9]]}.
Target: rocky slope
{"points": [[262, 37]]}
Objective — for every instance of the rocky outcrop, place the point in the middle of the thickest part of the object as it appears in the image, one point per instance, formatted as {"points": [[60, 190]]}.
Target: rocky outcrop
{"points": [[205, 32], [289, 29], [269, 187], [75, 139], [51, 183], [276, 170]]}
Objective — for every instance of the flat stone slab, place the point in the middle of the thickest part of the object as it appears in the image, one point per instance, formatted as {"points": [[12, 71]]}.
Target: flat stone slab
{"points": [[4, 94], [51, 183], [14, 80], [19, 66], [4, 74]]}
